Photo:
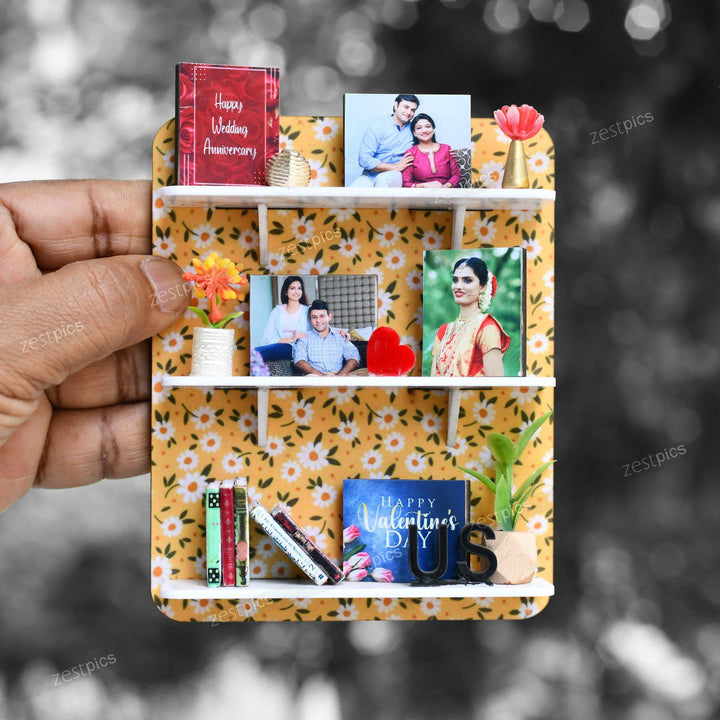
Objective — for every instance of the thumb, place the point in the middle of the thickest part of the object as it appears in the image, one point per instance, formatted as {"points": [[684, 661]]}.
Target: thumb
{"points": [[59, 323]]}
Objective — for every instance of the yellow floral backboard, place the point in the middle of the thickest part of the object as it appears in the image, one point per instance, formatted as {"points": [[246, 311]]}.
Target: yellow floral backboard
{"points": [[316, 438]]}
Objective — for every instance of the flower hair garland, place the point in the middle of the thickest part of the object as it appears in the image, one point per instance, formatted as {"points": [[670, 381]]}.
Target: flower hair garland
{"points": [[488, 293]]}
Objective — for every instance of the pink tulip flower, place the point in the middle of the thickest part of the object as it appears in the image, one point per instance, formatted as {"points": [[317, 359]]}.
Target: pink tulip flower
{"points": [[519, 123], [351, 533], [382, 575], [356, 575], [357, 561]]}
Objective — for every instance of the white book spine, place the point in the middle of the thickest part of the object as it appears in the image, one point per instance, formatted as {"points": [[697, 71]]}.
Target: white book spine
{"points": [[276, 533]]}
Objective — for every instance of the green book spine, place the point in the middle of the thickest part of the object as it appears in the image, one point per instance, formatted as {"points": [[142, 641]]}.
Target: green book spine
{"points": [[242, 533], [212, 534]]}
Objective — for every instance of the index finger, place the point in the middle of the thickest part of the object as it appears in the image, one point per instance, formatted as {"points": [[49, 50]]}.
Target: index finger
{"points": [[68, 220]]}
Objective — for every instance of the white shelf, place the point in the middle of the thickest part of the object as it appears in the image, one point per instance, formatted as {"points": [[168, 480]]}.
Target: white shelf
{"points": [[284, 589], [263, 385], [262, 197], [355, 381]]}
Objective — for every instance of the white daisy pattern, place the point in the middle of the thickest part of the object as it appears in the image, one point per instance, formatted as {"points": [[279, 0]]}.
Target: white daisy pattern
{"points": [[349, 247], [173, 342], [459, 448], [528, 609], [394, 442], [291, 471], [432, 240], [301, 226], [326, 128], [386, 604], [202, 606], [484, 229], [395, 259], [164, 246], [301, 412], [203, 417], [372, 460], [164, 430], [285, 143], [491, 174], [211, 442], [431, 423], [160, 570], [247, 422], [313, 267], [276, 262], [347, 612], [538, 162], [192, 487], [388, 235], [537, 524], [324, 495], [523, 395], [341, 395], [318, 173], [386, 417], [532, 248], [275, 446], [172, 526], [159, 211], [384, 300], [265, 547], [341, 214], [523, 216], [188, 460], [231, 463], [415, 463], [414, 279], [313, 456], [348, 431], [159, 393], [484, 412], [430, 606], [247, 239], [203, 236], [549, 279], [538, 344]]}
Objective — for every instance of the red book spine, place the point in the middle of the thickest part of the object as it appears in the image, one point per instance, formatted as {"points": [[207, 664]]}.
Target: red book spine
{"points": [[227, 534]]}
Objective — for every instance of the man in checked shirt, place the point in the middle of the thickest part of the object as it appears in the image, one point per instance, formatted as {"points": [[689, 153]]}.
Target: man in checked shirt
{"points": [[323, 351]]}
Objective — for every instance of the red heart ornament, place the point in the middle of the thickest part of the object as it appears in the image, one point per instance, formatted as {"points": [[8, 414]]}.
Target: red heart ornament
{"points": [[385, 354]]}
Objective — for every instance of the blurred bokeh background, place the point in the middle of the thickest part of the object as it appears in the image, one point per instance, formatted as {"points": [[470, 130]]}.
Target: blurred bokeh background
{"points": [[634, 631]]}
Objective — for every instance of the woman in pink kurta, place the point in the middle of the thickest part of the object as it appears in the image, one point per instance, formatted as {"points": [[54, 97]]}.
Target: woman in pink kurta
{"points": [[433, 164]]}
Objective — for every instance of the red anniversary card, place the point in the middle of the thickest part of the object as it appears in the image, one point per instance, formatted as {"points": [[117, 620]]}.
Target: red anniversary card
{"points": [[227, 123]]}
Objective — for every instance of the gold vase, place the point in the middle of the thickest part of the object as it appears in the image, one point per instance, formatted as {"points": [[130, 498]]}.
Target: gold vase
{"points": [[288, 169], [516, 172]]}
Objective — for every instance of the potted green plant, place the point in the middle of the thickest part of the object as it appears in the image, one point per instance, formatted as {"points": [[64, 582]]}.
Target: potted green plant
{"points": [[516, 551]]}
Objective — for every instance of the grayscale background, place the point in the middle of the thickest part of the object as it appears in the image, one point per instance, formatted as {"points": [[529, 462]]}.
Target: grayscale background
{"points": [[634, 631]]}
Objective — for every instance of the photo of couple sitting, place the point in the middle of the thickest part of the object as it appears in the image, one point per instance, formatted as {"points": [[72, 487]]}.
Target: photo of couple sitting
{"points": [[299, 336], [402, 148]]}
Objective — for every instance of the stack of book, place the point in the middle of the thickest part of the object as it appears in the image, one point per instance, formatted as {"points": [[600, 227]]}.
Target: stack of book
{"points": [[227, 510]]}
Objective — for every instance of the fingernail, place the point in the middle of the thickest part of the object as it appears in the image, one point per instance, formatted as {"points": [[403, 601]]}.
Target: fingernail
{"points": [[170, 292]]}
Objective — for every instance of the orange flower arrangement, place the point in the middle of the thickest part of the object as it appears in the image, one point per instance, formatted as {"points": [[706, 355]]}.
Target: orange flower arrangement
{"points": [[214, 279]]}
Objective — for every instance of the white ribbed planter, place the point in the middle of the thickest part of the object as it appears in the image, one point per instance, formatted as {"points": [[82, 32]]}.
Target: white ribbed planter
{"points": [[212, 351]]}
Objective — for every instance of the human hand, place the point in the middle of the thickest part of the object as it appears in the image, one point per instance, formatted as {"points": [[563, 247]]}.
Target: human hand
{"points": [[299, 335], [405, 161], [78, 299]]}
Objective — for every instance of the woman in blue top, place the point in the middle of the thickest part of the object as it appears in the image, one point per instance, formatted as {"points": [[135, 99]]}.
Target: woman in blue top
{"points": [[287, 322]]}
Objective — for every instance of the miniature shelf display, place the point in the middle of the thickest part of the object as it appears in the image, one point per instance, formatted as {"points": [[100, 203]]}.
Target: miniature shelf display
{"points": [[296, 439]]}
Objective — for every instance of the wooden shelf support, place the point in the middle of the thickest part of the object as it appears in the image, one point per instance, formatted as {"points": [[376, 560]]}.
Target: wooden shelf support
{"points": [[263, 397], [458, 226], [452, 415], [263, 233]]}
